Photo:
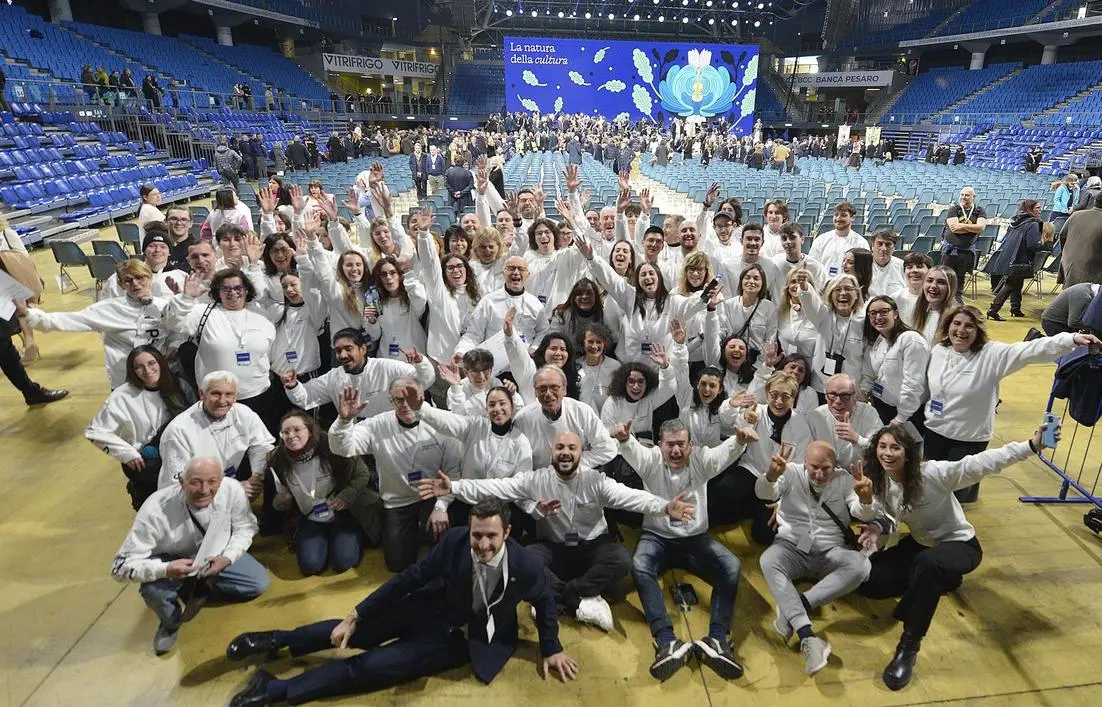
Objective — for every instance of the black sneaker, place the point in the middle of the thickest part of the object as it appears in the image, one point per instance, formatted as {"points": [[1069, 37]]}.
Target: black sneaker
{"points": [[668, 659], [717, 656]]}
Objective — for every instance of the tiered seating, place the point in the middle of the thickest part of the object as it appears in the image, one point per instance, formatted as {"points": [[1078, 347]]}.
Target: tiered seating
{"points": [[1005, 148], [983, 15], [1033, 90], [893, 34], [767, 102], [933, 90], [172, 57], [60, 52], [477, 88], [545, 169], [1082, 111], [273, 68]]}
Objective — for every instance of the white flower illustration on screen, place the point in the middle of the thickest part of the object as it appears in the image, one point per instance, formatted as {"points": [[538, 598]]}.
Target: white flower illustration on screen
{"points": [[697, 88], [600, 55], [558, 104], [529, 104], [750, 73], [530, 79], [747, 106]]}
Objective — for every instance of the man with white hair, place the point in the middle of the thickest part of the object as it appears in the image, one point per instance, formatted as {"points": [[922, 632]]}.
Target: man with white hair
{"points": [[553, 413], [486, 319], [220, 428], [406, 451], [842, 423], [188, 542]]}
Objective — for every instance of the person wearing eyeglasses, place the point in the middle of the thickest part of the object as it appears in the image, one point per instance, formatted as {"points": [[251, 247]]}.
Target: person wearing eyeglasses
{"points": [[839, 317], [178, 220], [486, 319], [893, 370], [405, 451], [841, 422]]}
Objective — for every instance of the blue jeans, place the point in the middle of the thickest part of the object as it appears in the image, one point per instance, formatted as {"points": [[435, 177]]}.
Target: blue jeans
{"points": [[700, 554], [243, 580], [340, 543]]}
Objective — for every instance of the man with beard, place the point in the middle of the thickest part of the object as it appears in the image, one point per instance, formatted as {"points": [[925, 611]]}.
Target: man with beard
{"points": [[371, 378], [830, 248], [569, 501], [178, 220], [553, 413], [668, 470]]}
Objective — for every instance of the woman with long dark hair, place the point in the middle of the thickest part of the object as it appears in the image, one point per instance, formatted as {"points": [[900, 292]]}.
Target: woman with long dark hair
{"points": [[395, 321], [1014, 260], [331, 496], [583, 306], [277, 259], [595, 374], [128, 427], [941, 547], [893, 372], [450, 284], [858, 263]]}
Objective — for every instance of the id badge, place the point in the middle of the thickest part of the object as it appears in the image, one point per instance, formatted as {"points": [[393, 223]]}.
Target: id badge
{"points": [[832, 365], [878, 388], [805, 543], [321, 512], [937, 407], [645, 348], [542, 299], [244, 358], [674, 522], [413, 477], [832, 271], [394, 350], [291, 356], [572, 539], [231, 472]]}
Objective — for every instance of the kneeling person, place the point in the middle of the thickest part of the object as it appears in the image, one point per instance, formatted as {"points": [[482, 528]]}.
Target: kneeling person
{"points": [[817, 503], [189, 541]]}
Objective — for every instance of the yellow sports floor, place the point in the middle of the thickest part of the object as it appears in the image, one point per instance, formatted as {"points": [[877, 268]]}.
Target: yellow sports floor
{"points": [[1023, 630]]}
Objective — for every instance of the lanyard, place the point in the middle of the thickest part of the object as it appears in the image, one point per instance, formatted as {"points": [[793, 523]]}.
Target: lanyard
{"points": [[244, 330], [834, 332], [195, 521], [482, 591], [967, 218]]}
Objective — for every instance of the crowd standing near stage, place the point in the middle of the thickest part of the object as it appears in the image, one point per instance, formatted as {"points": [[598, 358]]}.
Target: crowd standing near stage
{"points": [[521, 393]]}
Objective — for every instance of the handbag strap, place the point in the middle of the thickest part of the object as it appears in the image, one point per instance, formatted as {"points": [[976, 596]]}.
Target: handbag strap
{"points": [[847, 532]]}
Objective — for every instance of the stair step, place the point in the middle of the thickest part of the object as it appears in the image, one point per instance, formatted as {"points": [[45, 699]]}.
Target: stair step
{"points": [[70, 232]]}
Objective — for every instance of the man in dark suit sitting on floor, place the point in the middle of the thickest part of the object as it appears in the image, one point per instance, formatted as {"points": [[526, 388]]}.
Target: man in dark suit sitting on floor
{"points": [[455, 606]]}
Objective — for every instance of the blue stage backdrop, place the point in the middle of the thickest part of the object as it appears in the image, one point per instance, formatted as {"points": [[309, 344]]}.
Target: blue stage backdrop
{"points": [[652, 81]]}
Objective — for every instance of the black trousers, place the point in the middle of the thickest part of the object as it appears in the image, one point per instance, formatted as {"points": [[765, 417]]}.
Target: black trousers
{"points": [[141, 484], [731, 499], [422, 184], [920, 575], [960, 262], [266, 406], [12, 365], [582, 571], [941, 448], [1009, 288], [404, 529], [418, 644], [887, 413]]}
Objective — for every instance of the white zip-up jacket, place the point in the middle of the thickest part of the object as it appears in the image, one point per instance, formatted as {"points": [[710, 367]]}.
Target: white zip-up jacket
{"points": [[123, 322], [163, 526], [800, 515], [967, 385], [887, 280], [485, 321], [830, 249], [896, 373], [372, 383], [730, 317], [937, 516], [864, 421], [193, 434], [238, 341], [664, 482], [757, 457], [584, 497], [598, 447], [449, 312], [843, 336], [128, 420], [404, 454], [486, 454]]}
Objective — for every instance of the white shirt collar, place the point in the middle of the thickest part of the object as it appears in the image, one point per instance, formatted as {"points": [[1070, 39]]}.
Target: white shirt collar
{"points": [[494, 561]]}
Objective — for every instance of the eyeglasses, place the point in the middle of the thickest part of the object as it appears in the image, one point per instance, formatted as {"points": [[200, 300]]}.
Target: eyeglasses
{"points": [[839, 396], [780, 397], [516, 268], [455, 267], [847, 289], [397, 401], [879, 313], [232, 289]]}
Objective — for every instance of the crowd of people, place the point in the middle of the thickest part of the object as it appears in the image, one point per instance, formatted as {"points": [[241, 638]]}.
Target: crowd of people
{"points": [[516, 392]]}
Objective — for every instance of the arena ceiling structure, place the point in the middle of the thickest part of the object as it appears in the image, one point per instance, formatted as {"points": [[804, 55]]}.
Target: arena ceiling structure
{"points": [[718, 19]]}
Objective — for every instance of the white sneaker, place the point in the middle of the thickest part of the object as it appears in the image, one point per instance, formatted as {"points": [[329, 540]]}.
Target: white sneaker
{"points": [[596, 612], [782, 627], [816, 651], [533, 612]]}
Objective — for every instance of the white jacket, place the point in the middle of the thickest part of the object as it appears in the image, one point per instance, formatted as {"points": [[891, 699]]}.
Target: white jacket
{"points": [[830, 249], [398, 327], [664, 482], [757, 457], [373, 384], [449, 313], [800, 515], [896, 373], [123, 322], [584, 498], [599, 448], [163, 526], [887, 280], [485, 321], [486, 454], [193, 434], [843, 336], [128, 420], [865, 422], [403, 455], [967, 385], [758, 324], [937, 516]]}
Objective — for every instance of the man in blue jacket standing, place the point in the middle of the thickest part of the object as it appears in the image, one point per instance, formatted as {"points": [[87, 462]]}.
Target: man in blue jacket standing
{"points": [[456, 606]]}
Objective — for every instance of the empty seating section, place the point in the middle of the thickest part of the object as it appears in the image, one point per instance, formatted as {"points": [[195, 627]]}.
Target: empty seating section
{"points": [[266, 65], [329, 14], [1005, 148], [477, 88], [935, 90], [906, 29], [59, 51], [907, 197], [767, 103], [1033, 90], [981, 15]]}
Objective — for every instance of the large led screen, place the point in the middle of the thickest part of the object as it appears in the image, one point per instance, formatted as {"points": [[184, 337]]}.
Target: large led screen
{"points": [[655, 81]]}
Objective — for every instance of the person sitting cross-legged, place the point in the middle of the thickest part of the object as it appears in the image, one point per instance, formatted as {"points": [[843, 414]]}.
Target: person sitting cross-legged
{"points": [[188, 542]]}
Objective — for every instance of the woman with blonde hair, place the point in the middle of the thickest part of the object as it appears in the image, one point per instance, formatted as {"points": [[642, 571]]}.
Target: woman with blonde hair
{"points": [[15, 261], [839, 317], [488, 259], [796, 333], [939, 290], [696, 273]]}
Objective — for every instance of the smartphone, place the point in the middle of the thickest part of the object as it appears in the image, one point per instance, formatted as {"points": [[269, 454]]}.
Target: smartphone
{"points": [[1048, 437], [706, 293]]}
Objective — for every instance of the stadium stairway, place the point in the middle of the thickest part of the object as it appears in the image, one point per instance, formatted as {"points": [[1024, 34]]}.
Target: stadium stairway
{"points": [[947, 21], [947, 110], [1064, 104], [1077, 158]]}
